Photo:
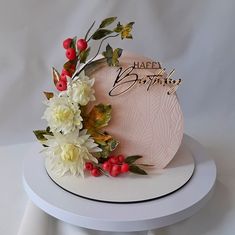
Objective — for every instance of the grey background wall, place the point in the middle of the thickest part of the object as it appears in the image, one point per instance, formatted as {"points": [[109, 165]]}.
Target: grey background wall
{"points": [[195, 37]]}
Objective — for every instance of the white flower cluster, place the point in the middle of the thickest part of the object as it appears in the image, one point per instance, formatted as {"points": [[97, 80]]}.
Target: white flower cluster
{"points": [[62, 115], [81, 91], [68, 153], [70, 147]]}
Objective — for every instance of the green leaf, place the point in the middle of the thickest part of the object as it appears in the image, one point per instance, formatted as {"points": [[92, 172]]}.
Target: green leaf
{"points": [[108, 54], [84, 55], [116, 54], [89, 30], [73, 43], [136, 170], [132, 159], [112, 55], [112, 144], [69, 65], [130, 24], [100, 33], [40, 134], [107, 147], [146, 165], [106, 22], [119, 28]]}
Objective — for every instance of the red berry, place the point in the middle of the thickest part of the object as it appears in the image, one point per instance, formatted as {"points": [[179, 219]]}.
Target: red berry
{"points": [[121, 158], [95, 172], [124, 168], [70, 53], [63, 75], [81, 44], [61, 85], [67, 43], [109, 158], [113, 160], [115, 170], [88, 166], [114, 173], [65, 72], [107, 166]]}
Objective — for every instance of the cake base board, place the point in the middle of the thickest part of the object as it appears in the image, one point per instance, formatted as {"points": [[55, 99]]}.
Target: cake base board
{"points": [[129, 187]]}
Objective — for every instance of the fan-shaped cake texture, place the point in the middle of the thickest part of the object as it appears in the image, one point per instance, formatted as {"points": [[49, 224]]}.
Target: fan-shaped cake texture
{"points": [[145, 119]]}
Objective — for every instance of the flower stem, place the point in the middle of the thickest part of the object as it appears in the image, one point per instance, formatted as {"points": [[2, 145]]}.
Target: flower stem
{"points": [[97, 53], [103, 171], [89, 32]]}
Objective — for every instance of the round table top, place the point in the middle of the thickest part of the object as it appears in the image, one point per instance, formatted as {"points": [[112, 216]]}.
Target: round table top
{"points": [[120, 217]]}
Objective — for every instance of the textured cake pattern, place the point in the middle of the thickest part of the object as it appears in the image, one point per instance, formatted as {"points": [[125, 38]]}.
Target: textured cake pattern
{"points": [[146, 122]]}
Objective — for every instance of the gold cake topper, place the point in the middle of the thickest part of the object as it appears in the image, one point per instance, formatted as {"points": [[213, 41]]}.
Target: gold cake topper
{"points": [[127, 78]]}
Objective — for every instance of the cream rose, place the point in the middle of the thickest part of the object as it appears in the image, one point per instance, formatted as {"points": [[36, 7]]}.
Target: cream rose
{"points": [[62, 115], [70, 152], [80, 91]]}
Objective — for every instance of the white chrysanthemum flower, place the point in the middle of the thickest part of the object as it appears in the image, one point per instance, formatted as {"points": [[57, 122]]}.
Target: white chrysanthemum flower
{"points": [[80, 90], [62, 115], [68, 153]]}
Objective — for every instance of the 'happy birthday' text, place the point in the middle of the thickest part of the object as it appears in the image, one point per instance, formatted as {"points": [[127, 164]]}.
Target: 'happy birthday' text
{"points": [[128, 78]]}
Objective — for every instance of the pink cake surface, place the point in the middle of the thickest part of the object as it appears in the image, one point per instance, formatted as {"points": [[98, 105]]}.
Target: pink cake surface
{"points": [[146, 122]]}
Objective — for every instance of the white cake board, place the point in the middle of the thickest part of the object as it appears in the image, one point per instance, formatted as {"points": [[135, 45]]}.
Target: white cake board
{"points": [[121, 217], [130, 187]]}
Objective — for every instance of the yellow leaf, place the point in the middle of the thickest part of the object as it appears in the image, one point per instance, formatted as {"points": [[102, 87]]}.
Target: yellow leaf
{"points": [[126, 31], [101, 137], [55, 76], [98, 117], [49, 95]]}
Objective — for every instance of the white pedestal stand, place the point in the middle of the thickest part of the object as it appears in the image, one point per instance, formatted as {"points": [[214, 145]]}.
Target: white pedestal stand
{"points": [[123, 218]]}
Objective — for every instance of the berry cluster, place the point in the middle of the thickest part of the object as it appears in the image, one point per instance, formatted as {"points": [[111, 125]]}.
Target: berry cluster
{"points": [[116, 165], [77, 50], [73, 51], [113, 166]]}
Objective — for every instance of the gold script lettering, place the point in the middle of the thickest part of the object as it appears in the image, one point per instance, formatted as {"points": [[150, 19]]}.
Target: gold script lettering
{"points": [[126, 79]]}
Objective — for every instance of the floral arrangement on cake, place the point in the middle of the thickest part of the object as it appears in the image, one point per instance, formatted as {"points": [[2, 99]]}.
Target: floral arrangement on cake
{"points": [[74, 140]]}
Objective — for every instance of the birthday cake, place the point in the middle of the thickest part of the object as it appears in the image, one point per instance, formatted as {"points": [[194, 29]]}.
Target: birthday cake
{"points": [[115, 114]]}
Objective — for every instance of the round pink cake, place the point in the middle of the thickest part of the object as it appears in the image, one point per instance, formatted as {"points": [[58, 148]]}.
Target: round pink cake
{"points": [[145, 119]]}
